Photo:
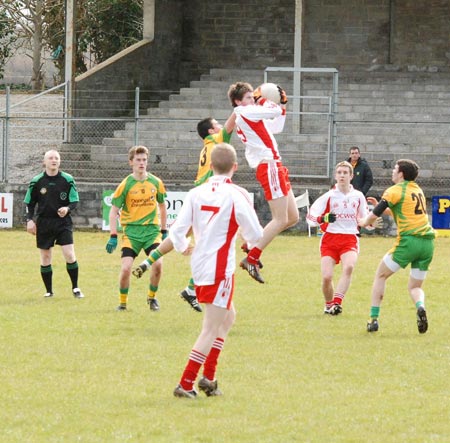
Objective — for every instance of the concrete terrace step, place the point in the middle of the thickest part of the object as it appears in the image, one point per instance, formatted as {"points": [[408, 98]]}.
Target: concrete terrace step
{"points": [[394, 117], [377, 110]]}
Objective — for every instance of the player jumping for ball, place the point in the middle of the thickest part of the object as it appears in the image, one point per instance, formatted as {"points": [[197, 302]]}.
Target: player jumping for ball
{"points": [[257, 119]]}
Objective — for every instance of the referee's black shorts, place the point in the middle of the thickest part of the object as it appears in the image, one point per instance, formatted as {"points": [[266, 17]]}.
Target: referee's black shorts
{"points": [[51, 231]]}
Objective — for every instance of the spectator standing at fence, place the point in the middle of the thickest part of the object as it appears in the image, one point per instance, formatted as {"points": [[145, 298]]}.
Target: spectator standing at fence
{"points": [[257, 119], [141, 200], [405, 200], [337, 213], [55, 194], [362, 174], [214, 212]]}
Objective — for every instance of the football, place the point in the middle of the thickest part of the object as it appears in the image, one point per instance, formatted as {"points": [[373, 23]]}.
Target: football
{"points": [[271, 92]]}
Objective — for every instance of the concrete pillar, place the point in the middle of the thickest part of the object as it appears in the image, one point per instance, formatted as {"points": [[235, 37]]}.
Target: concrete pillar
{"points": [[69, 67], [296, 123], [149, 20]]}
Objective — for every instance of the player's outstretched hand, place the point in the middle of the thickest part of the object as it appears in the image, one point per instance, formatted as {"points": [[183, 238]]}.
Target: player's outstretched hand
{"points": [[378, 223], [283, 96], [372, 201], [329, 217], [112, 244]]}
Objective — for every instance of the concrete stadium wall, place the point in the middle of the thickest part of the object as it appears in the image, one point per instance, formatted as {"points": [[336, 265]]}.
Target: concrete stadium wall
{"points": [[410, 33], [193, 36]]}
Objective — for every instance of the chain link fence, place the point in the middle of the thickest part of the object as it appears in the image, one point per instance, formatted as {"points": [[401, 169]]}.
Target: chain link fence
{"points": [[94, 148]]}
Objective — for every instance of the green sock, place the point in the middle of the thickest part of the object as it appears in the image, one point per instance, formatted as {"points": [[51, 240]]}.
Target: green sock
{"points": [[419, 304], [374, 311], [154, 255], [191, 284]]}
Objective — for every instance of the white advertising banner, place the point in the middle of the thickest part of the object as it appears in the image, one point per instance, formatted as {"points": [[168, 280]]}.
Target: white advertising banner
{"points": [[6, 210]]}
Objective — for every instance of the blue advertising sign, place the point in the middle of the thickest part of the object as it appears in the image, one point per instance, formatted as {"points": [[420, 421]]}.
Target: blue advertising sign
{"points": [[440, 212]]}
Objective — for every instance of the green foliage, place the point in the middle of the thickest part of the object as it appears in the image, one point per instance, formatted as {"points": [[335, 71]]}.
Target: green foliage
{"points": [[7, 39], [77, 370], [102, 29], [112, 25]]}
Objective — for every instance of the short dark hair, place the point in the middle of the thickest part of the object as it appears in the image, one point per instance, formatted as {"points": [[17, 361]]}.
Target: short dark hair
{"points": [[354, 148], [204, 126], [409, 168]]}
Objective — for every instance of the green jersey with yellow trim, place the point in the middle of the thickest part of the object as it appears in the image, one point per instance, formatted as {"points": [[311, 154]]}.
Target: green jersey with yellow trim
{"points": [[204, 164], [408, 205], [139, 199]]}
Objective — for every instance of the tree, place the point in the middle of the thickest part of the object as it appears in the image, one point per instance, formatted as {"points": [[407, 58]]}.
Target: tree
{"points": [[30, 20], [7, 39], [112, 25], [102, 27]]}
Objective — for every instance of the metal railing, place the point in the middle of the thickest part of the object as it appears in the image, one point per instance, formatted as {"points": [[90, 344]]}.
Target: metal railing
{"points": [[298, 108]]}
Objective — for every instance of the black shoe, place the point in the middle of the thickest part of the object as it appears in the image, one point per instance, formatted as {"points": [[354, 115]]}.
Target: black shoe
{"points": [[191, 299], [209, 387], [422, 321], [180, 392], [372, 325], [333, 310], [121, 308], [141, 269], [252, 269], [153, 304]]}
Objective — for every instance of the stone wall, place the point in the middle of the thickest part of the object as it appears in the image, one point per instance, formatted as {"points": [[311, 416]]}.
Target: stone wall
{"points": [[345, 32], [407, 34], [192, 36], [225, 33], [422, 33]]}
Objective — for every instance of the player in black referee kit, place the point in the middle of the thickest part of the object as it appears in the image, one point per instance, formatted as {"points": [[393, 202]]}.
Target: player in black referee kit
{"points": [[55, 194]]}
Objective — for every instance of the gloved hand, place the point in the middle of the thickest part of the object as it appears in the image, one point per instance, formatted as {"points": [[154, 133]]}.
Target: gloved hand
{"points": [[112, 244], [165, 233], [329, 217], [257, 94], [283, 96]]}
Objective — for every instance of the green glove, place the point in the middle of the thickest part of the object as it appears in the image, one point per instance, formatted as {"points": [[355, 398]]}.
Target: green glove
{"points": [[112, 244], [329, 217]]}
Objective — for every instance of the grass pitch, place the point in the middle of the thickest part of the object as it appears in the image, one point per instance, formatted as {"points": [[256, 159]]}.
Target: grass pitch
{"points": [[77, 370]]}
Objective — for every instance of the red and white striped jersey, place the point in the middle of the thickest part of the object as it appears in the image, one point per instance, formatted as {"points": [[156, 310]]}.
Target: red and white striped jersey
{"points": [[255, 126], [215, 211], [347, 207]]}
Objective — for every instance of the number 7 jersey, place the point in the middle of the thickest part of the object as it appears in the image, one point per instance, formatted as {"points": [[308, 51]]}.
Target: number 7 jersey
{"points": [[408, 205], [215, 211]]}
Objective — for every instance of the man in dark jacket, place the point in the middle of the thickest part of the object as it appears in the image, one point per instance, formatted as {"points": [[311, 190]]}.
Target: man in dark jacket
{"points": [[362, 174]]}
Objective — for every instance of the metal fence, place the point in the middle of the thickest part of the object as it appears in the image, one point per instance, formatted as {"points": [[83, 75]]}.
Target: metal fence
{"points": [[94, 149]]}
